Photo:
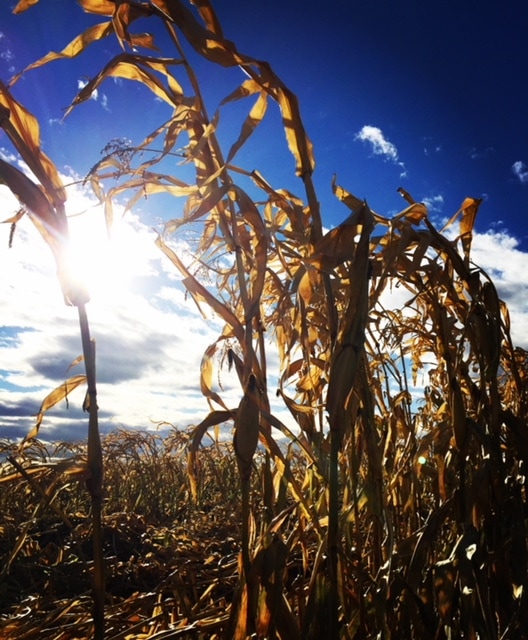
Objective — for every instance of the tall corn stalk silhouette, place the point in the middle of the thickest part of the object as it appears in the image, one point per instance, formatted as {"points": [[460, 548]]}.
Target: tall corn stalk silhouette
{"points": [[44, 203]]}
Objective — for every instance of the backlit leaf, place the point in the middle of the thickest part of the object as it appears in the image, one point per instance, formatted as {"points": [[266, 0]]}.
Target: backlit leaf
{"points": [[57, 395], [52, 226], [209, 17], [24, 132], [257, 271], [348, 352], [257, 113], [206, 375], [23, 5], [469, 211], [298, 141], [133, 67], [73, 49], [101, 7], [201, 294]]}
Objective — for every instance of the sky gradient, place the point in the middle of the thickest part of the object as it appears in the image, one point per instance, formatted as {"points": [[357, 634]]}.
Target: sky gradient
{"points": [[428, 96]]}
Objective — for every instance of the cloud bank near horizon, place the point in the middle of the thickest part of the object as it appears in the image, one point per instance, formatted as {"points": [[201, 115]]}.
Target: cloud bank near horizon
{"points": [[150, 337]]}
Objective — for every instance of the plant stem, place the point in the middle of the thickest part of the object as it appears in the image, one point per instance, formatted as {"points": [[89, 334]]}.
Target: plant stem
{"points": [[95, 481], [333, 535], [250, 612]]}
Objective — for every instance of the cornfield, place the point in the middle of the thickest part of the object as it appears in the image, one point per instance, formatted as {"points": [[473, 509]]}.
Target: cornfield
{"points": [[394, 507]]}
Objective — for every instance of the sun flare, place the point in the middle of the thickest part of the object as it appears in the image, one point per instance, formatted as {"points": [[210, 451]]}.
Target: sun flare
{"points": [[105, 262]]}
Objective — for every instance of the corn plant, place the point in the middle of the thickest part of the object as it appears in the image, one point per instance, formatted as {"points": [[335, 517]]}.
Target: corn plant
{"points": [[44, 202], [408, 510]]}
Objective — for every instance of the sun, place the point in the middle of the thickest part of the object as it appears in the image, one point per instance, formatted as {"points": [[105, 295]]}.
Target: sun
{"points": [[111, 264], [105, 261]]}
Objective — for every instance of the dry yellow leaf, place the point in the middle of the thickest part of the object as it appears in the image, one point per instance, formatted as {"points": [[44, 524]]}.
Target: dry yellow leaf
{"points": [[255, 117], [100, 7], [73, 49], [130, 67], [24, 132], [57, 395], [24, 5], [206, 375]]}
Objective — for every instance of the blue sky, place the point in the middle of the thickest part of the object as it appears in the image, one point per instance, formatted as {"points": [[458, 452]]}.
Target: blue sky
{"points": [[425, 95]]}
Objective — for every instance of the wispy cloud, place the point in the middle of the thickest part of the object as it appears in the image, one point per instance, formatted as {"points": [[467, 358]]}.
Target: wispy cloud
{"points": [[434, 203], [150, 335], [520, 170], [8, 156], [430, 146], [480, 154], [380, 145], [6, 54], [430, 150], [82, 83]]}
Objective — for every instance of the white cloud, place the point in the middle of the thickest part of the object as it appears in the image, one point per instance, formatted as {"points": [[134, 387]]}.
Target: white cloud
{"points": [[380, 145], [498, 254], [82, 83], [480, 154], [430, 150], [520, 170], [7, 55], [5, 52], [434, 203], [8, 156], [103, 100], [149, 336]]}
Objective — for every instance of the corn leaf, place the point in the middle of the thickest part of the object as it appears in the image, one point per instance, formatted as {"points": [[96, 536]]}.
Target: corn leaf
{"points": [[57, 395], [133, 67], [99, 7], [469, 211], [24, 5], [23, 130], [348, 353], [298, 141], [73, 49], [206, 375], [214, 418], [255, 117], [51, 225]]}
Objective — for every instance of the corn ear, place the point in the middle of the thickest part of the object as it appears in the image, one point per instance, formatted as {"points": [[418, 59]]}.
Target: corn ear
{"points": [[247, 428]]}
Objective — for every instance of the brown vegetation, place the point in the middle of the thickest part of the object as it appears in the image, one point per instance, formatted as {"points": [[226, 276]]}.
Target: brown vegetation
{"points": [[397, 507]]}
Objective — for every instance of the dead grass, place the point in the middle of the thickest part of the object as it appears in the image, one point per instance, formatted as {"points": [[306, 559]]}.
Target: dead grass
{"points": [[170, 562]]}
